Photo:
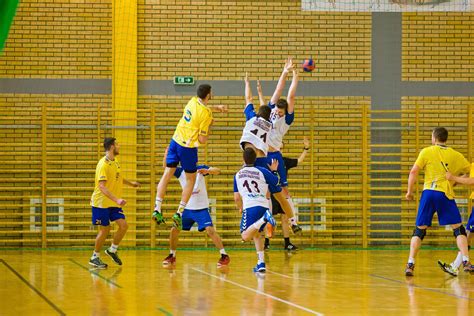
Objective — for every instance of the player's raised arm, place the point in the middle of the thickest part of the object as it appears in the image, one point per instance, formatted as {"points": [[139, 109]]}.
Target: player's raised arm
{"points": [[260, 93], [248, 90], [292, 92], [281, 82], [305, 150]]}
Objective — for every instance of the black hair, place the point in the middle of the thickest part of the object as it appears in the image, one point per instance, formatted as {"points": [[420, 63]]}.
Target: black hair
{"points": [[108, 142], [440, 134], [249, 156], [203, 90]]}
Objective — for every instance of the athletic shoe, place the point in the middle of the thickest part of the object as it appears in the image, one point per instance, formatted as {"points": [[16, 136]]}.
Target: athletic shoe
{"points": [[295, 228], [158, 217], [409, 269], [177, 221], [223, 261], [468, 267], [267, 217], [114, 256], [291, 247], [260, 267], [169, 260], [96, 262], [448, 268]]}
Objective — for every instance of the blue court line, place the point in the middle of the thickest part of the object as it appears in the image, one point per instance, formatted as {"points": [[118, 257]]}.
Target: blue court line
{"points": [[422, 287], [94, 272], [60, 312]]}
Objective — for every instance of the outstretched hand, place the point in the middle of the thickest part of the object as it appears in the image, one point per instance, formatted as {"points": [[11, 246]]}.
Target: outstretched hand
{"points": [[274, 165], [289, 65]]}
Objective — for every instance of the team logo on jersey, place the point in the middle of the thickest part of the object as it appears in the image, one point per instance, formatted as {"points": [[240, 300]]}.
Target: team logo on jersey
{"points": [[187, 117]]}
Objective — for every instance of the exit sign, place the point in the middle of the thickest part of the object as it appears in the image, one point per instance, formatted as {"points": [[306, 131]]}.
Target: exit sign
{"points": [[184, 80]]}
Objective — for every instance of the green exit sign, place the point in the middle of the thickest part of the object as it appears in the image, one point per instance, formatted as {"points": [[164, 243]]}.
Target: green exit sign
{"points": [[184, 80]]}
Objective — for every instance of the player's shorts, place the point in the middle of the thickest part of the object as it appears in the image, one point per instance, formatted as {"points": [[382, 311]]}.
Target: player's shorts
{"points": [[261, 162], [281, 166], [188, 157], [470, 221], [432, 201], [201, 217], [103, 216], [250, 216], [276, 207]]}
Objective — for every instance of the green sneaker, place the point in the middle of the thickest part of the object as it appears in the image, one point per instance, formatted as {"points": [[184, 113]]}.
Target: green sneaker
{"points": [[158, 217], [177, 221]]}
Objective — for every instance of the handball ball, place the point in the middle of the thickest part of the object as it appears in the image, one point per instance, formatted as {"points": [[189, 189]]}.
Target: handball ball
{"points": [[308, 65]]}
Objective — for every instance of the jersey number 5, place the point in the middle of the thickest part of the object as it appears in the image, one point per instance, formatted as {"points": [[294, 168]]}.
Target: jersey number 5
{"points": [[255, 185], [263, 136]]}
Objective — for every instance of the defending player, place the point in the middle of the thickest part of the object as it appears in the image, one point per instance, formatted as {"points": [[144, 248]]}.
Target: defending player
{"points": [[437, 195], [196, 211], [251, 185], [255, 135]]}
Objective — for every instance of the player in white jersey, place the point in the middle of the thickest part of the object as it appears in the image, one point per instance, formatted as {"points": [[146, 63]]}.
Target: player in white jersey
{"points": [[196, 211], [251, 186], [256, 135], [282, 117]]}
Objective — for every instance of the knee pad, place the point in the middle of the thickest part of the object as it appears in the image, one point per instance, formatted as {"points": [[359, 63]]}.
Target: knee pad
{"points": [[419, 233], [459, 231]]}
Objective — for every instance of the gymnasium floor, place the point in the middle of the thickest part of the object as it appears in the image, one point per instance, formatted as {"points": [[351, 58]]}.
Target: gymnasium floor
{"points": [[337, 282]]}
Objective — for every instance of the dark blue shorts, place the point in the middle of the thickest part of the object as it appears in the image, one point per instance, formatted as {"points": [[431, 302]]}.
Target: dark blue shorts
{"points": [[470, 222], [103, 216], [250, 216], [432, 201], [281, 166], [201, 217], [188, 157]]}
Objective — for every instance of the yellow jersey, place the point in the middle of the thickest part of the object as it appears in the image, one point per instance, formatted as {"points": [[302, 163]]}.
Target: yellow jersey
{"points": [[195, 121], [471, 175], [108, 171], [436, 161]]}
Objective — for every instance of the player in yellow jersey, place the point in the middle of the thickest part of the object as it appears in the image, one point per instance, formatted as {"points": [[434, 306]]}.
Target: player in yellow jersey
{"points": [[453, 268], [438, 194], [107, 202], [192, 131]]}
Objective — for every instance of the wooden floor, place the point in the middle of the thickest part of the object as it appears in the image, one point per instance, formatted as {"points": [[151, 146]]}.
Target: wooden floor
{"points": [[307, 282]]}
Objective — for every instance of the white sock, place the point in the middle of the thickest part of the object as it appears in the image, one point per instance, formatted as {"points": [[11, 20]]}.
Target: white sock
{"points": [[113, 248], [95, 255], [181, 207], [261, 256], [259, 223], [222, 251], [173, 252], [158, 202], [411, 260], [458, 261], [465, 258]]}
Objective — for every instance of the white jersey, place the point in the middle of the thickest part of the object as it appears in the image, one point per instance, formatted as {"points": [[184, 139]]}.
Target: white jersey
{"points": [[253, 183], [256, 130], [199, 199], [281, 125]]}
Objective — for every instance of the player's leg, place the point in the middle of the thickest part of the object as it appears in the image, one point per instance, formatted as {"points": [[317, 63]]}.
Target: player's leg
{"points": [[258, 240], [424, 217], [285, 228], [116, 215], [254, 220], [171, 258], [99, 218], [188, 158], [216, 239]]}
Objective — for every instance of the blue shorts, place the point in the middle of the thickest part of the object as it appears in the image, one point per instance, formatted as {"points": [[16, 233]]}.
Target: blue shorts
{"points": [[202, 217], [281, 166], [432, 201], [188, 157], [261, 162], [103, 216], [250, 216], [470, 221]]}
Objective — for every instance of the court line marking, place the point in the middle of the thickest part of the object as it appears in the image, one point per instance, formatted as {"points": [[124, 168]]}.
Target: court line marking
{"points": [[95, 273], [421, 287], [31, 286], [326, 281], [260, 292]]}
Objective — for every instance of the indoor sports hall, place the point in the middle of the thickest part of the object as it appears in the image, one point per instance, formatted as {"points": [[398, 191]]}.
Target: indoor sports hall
{"points": [[76, 73]]}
